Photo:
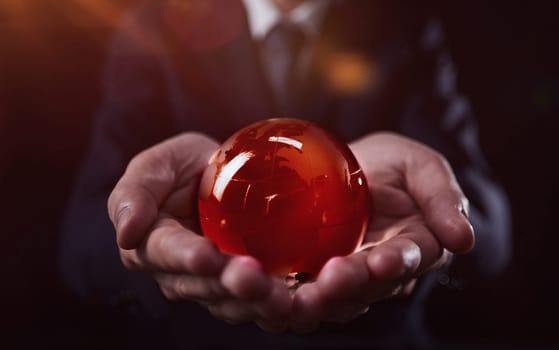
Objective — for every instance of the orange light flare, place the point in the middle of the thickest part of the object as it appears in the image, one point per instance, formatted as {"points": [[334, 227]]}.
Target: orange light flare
{"points": [[348, 73], [35, 25], [84, 13]]}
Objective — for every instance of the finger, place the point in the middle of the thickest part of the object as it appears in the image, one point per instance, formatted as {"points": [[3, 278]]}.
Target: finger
{"points": [[277, 306], [308, 309], [428, 178], [134, 202], [431, 182], [347, 288], [270, 313], [394, 259], [408, 254], [275, 310], [148, 180], [232, 311], [172, 248], [204, 290], [336, 295], [246, 279], [341, 277]]}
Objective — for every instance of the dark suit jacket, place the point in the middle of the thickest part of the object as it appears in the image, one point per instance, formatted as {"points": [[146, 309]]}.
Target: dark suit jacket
{"points": [[169, 72]]}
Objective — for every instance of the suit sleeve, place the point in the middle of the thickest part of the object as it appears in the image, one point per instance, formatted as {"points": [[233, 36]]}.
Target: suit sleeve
{"points": [[130, 118], [437, 115]]}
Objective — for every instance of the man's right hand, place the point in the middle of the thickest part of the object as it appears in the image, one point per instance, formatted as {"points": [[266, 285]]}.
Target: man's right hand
{"points": [[153, 209]]}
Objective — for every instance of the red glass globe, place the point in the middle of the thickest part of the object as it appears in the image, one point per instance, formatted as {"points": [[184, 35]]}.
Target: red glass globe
{"points": [[286, 192]]}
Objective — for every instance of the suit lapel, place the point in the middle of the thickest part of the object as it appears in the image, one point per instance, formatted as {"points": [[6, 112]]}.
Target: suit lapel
{"points": [[322, 102], [229, 89], [235, 73], [226, 81], [355, 38]]}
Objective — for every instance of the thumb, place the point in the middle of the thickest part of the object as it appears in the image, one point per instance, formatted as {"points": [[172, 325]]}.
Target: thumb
{"points": [[149, 180]]}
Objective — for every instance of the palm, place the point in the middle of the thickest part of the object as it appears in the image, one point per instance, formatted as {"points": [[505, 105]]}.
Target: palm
{"points": [[393, 209], [180, 206]]}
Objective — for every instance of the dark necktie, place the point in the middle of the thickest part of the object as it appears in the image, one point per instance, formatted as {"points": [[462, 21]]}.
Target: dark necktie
{"points": [[280, 51]]}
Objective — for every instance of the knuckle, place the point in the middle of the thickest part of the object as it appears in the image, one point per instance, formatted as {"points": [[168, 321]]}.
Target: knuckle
{"points": [[197, 255], [194, 253], [162, 243]]}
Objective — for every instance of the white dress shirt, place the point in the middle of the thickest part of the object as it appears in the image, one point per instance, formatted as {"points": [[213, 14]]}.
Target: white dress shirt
{"points": [[263, 16]]}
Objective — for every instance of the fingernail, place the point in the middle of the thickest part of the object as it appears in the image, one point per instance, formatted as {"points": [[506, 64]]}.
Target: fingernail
{"points": [[411, 260], [464, 208], [122, 217]]}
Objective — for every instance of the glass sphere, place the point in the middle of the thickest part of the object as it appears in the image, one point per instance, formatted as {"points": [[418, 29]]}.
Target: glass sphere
{"points": [[287, 193]]}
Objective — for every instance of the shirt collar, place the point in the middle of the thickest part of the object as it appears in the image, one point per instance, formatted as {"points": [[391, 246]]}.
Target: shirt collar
{"points": [[263, 15]]}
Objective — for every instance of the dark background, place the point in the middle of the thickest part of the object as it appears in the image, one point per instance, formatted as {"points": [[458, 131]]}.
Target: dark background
{"points": [[51, 54]]}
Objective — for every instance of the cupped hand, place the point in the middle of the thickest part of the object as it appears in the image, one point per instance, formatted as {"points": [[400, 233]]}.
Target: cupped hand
{"points": [[419, 218], [154, 210]]}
